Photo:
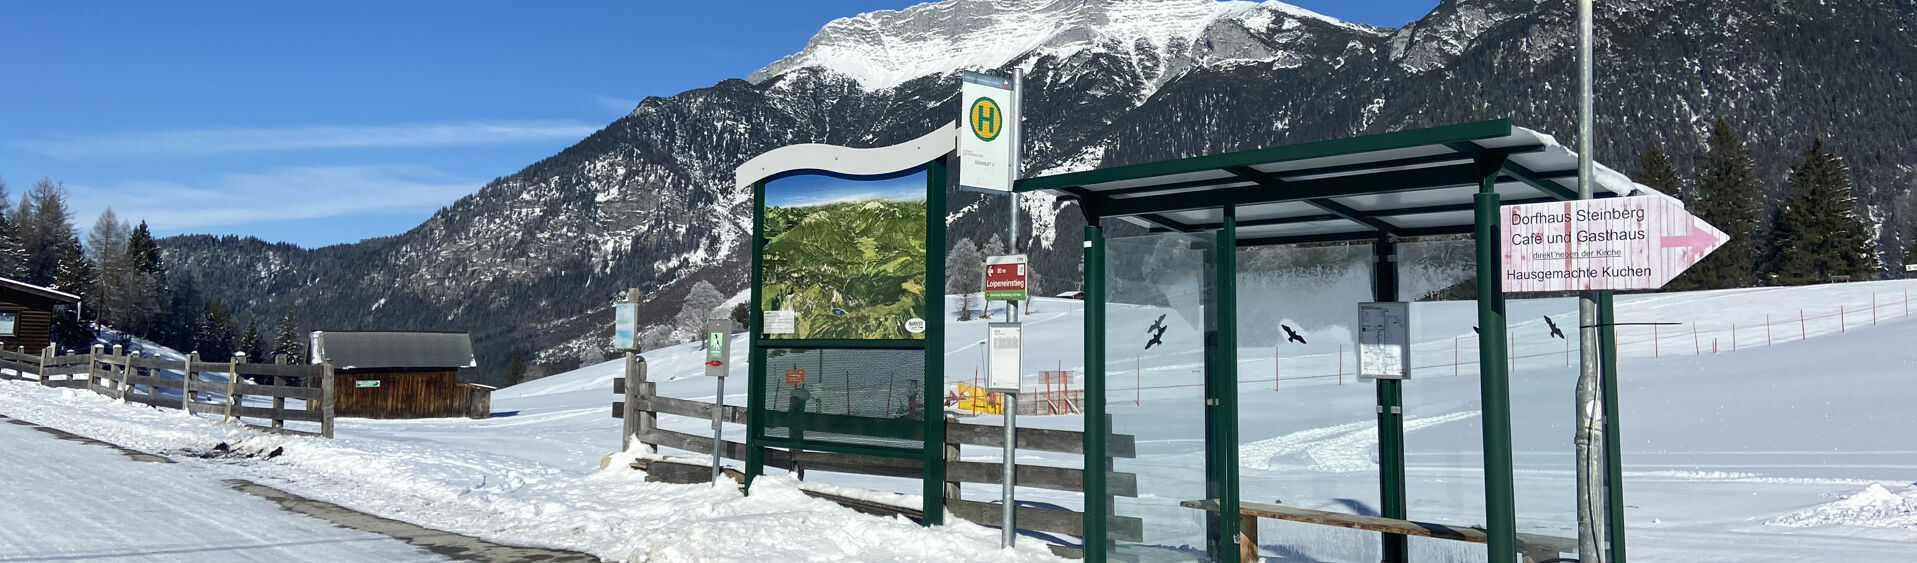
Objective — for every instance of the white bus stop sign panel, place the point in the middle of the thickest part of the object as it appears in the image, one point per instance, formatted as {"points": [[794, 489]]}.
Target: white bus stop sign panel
{"points": [[1601, 244]]}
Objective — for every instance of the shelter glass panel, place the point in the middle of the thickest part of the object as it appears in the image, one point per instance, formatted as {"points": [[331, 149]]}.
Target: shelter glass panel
{"points": [[1158, 315], [1307, 425], [850, 397], [1444, 443], [1543, 344]]}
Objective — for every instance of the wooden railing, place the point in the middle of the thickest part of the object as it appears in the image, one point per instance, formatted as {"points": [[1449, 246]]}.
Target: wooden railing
{"points": [[204, 387], [642, 406]]}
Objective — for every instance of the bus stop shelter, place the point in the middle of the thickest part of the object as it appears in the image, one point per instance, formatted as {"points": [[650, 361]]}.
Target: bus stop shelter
{"points": [[1377, 189]]}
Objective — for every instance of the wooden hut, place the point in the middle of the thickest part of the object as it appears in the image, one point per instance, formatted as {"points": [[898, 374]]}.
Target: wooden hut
{"points": [[26, 314], [402, 374]]}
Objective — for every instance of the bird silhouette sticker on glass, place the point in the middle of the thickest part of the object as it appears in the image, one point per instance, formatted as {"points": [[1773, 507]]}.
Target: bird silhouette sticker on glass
{"points": [[1157, 331], [1292, 335]]}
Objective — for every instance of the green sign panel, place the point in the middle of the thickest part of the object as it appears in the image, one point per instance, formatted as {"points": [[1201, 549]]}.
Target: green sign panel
{"points": [[371, 383]]}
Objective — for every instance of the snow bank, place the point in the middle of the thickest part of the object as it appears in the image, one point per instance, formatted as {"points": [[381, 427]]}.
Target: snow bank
{"points": [[1875, 506]]}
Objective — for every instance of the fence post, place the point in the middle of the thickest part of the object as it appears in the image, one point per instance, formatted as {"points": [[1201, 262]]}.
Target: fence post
{"points": [[1733, 337], [1657, 347], [46, 354], [1341, 364], [126, 368], [186, 383], [1843, 320], [232, 383], [632, 423], [1873, 308], [93, 360], [1695, 349], [327, 396], [1802, 333], [1767, 330], [951, 458]]}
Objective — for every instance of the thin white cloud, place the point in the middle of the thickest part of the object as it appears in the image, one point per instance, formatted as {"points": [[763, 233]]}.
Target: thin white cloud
{"points": [[235, 140], [615, 103], [283, 193]]}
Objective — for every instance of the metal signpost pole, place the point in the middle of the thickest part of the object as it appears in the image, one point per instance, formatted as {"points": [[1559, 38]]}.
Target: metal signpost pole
{"points": [[1589, 435], [718, 362], [1009, 533]]}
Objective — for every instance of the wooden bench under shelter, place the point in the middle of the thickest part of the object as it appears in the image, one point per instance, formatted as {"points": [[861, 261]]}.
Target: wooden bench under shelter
{"points": [[1533, 548]]}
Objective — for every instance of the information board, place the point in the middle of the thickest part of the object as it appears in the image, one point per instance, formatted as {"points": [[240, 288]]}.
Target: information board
{"points": [[781, 322], [1006, 350], [1384, 340], [987, 110], [718, 347]]}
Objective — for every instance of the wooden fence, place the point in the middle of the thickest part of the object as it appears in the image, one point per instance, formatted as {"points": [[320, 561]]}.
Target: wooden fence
{"points": [[642, 406], [134, 378]]}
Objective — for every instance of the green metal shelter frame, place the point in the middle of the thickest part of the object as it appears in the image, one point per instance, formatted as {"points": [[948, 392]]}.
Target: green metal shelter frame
{"points": [[1447, 180]]}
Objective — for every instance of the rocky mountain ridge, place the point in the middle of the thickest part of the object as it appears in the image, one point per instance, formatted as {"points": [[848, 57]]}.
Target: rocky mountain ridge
{"points": [[533, 259]]}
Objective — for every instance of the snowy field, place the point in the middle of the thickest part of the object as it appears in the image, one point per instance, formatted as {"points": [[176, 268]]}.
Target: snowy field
{"points": [[1792, 447]]}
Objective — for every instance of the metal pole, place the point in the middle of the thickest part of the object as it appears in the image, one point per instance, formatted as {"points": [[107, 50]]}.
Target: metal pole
{"points": [[1589, 435], [1008, 530], [1391, 470], [718, 415], [1494, 383], [1613, 457]]}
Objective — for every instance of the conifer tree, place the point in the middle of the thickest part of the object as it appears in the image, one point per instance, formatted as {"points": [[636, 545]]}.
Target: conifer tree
{"points": [[287, 341], [252, 344], [45, 224], [1817, 232], [75, 275], [1655, 170], [515, 367], [1726, 196], [12, 256], [148, 295]]}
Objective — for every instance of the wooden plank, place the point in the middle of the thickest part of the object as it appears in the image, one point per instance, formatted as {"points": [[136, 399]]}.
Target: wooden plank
{"points": [[695, 409], [64, 370], [1383, 525], [283, 430], [155, 363], [1042, 439], [152, 381], [206, 408], [281, 414], [1038, 476], [304, 393], [19, 357], [61, 361], [66, 383], [280, 370], [1055, 520]]}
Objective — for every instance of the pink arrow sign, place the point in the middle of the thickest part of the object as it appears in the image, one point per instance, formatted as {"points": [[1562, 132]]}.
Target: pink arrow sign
{"points": [[1603, 244]]}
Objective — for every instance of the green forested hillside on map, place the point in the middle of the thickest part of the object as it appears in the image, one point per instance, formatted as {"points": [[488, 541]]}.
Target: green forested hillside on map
{"points": [[851, 270]]}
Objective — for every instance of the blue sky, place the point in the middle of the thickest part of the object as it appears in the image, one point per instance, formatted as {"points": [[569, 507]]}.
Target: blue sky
{"points": [[326, 122], [820, 189]]}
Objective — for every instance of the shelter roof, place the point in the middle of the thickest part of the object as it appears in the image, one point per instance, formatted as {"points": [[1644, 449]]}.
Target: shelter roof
{"points": [[1418, 182], [388, 350]]}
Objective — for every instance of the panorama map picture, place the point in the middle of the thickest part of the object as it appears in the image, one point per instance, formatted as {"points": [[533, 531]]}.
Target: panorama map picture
{"points": [[847, 256]]}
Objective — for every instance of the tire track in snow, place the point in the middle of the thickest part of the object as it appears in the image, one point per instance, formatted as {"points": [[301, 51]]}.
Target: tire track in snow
{"points": [[1344, 448]]}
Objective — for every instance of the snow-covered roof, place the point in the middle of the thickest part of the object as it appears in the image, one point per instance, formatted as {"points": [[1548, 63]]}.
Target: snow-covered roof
{"points": [[47, 292], [354, 349], [1406, 183]]}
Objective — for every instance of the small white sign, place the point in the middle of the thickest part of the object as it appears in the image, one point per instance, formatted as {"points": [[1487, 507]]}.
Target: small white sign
{"points": [[1910, 267], [781, 322], [988, 116], [1006, 350], [625, 326], [1384, 340], [915, 325]]}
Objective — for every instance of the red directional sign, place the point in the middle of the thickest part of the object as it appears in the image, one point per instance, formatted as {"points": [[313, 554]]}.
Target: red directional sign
{"points": [[1005, 278], [1598, 244]]}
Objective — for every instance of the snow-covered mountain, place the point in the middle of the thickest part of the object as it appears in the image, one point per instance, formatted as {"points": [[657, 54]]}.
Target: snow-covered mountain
{"points": [[1161, 39], [532, 260]]}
